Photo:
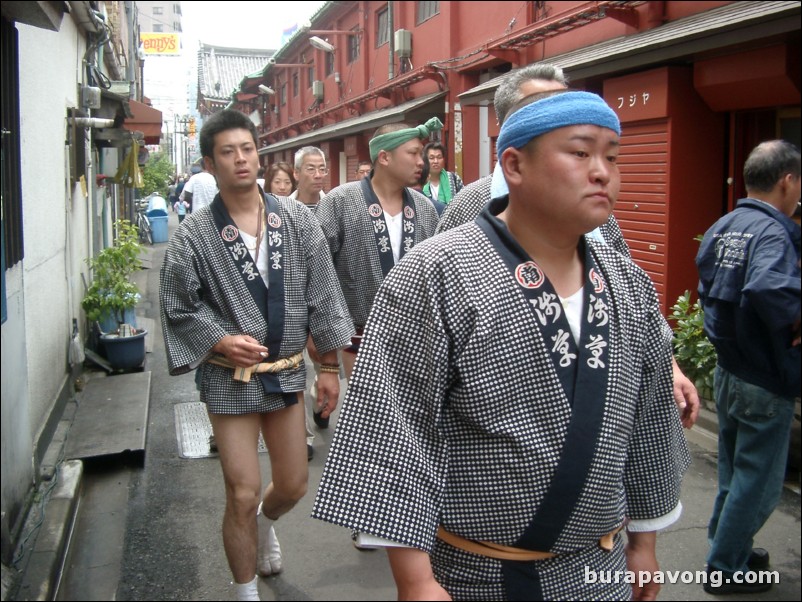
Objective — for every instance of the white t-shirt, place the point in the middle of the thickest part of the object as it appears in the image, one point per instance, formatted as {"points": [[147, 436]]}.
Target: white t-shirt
{"points": [[203, 188], [395, 230]]}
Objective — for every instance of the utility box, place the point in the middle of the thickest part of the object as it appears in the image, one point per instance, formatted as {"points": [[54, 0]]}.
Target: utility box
{"points": [[403, 43], [90, 97], [317, 89]]}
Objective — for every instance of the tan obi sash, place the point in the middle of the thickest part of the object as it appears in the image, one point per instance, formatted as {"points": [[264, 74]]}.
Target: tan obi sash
{"points": [[500, 552], [244, 374]]}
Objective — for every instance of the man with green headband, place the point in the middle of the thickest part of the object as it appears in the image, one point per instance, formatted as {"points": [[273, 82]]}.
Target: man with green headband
{"points": [[371, 224], [511, 411]]}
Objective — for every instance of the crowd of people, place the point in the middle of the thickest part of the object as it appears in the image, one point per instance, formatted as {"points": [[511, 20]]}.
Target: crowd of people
{"points": [[513, 413]]}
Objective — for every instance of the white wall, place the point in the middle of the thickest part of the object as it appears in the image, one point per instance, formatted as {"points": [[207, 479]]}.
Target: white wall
{"points": [[55, 218]]}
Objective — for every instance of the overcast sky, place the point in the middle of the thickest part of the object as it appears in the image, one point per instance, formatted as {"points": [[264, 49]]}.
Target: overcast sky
{"points": [[242, 24]]}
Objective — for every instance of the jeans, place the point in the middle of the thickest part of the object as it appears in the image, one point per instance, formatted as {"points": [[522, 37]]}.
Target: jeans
{"points": [[753, 431]]}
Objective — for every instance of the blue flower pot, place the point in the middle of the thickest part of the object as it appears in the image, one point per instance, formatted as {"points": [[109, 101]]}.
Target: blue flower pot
{"points": [[125, 353]]}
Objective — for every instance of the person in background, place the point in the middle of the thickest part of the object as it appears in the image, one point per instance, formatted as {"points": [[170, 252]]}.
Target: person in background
{"points": [[243, 284], [171, 195], [372, 223], [260, 178], [363, 169], [310, 173], [282, 183], [473, 198], [200, 190], [181, 208], [442, 185], [749, 285], [280, 179], [510, 412]]}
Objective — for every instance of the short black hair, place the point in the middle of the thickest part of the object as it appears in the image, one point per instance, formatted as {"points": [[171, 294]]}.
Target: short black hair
{"points": [[227, 119]]}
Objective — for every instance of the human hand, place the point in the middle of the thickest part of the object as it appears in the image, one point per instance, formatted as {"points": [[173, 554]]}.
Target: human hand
{"points": [[686, 396], [242, 350], [328, 393]]}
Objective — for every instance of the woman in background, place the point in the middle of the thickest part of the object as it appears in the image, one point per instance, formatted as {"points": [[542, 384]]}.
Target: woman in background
{"points": [[280, 180]]}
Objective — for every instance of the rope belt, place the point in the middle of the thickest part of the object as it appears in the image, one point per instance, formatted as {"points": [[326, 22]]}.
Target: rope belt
{"points": [[500, 552], [244, 374]]}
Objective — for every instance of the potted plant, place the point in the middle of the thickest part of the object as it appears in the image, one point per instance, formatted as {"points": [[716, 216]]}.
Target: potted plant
{"points": [[111, 298]]}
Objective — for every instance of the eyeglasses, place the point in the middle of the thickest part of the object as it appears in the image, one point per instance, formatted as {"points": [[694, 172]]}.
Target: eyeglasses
{"points": [[312, 170]]}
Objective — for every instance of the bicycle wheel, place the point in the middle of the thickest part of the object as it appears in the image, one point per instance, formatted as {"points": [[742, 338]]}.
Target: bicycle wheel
{"points": [[145, 233]]}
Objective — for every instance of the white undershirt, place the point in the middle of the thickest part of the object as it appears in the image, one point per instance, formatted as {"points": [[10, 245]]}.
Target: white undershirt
{"points": [[395, 230], [572, 306], [261, 265], [434, 189]]}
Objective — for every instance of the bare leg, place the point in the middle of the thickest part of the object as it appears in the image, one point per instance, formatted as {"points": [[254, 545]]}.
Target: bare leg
{"points": [[285, 437], [237, 439]]}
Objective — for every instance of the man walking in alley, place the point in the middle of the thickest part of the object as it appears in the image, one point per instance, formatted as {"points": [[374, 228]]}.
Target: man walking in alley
{"points": [[243, 284], [749, 283]]}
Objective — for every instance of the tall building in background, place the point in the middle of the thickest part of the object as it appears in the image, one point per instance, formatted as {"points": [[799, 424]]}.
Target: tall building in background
{"points": [[167, 75]]}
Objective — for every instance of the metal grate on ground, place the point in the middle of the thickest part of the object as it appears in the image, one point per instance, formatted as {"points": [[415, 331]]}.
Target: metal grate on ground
{"points": [[192, 429]]}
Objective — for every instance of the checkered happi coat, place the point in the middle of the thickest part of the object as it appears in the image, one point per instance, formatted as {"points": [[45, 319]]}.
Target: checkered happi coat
{"points": [[204, 298], [456, 416], [343, 215]]}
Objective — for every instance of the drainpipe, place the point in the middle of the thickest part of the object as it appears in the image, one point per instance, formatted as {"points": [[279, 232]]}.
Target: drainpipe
{"points": [[391, 41]]}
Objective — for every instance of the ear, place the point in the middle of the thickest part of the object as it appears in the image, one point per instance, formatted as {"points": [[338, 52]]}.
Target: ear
{"points": [[383, 158], [511, 160], [208, 164]]}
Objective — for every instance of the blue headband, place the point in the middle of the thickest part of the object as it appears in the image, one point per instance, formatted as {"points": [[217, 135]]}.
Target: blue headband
{"points": [[553, 112]]}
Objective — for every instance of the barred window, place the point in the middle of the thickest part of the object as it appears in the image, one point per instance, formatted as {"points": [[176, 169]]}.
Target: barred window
{"points": [[353, 47]]}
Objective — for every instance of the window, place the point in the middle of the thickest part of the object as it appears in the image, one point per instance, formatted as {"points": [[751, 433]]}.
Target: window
{"points": [[283, 99], [427, 10], [177, 8], [295, 84], [310, 75], [158, 10], [353, 47], [329, 63], [382, 27], [13, 248], [158, 27]]}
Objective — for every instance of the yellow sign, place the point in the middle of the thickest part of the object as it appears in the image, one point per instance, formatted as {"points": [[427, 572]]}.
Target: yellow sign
{"points": [[161, 43]]}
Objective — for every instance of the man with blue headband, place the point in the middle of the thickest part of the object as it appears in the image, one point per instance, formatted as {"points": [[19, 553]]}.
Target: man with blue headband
{"points": [[511, 410], [469, 202]]}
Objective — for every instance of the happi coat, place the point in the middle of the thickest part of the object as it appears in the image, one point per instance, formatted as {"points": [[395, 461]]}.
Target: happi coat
{"points": [[472, 408], [210, 287], [352, 221]]}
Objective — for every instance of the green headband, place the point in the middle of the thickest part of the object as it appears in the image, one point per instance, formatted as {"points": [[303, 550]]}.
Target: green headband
{"points": [[395, 139]]}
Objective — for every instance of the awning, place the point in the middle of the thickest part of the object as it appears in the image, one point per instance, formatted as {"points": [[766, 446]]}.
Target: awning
{"points": [[403, 112], [735, 23], [146, 120]]}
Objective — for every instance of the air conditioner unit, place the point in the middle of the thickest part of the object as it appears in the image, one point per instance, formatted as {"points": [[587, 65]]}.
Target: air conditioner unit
{"points": [[403, 43], [317, 89]]}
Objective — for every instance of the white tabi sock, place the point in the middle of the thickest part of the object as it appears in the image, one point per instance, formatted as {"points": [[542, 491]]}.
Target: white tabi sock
{"points": [[268, 552], [248, 591]]}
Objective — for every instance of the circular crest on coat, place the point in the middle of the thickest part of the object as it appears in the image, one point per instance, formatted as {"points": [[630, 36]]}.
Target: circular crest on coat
{"points": [[529, 275]]}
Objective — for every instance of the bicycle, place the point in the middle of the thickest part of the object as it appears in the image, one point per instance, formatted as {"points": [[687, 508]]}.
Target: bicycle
{"points": [[143, 227]]}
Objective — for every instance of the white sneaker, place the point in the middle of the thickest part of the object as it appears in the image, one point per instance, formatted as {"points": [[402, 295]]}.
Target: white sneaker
{"points": [[268, 555]]}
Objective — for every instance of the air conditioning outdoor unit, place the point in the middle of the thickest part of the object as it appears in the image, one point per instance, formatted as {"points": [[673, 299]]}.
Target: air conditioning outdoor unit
{"points": [[317, 89], [403, 43]]}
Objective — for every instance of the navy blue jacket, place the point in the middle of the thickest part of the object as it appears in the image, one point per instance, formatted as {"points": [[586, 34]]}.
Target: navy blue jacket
{"points": [[749, 283]]}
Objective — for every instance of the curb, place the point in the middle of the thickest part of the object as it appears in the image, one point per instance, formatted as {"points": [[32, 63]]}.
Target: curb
{"points": [[42, 565]]}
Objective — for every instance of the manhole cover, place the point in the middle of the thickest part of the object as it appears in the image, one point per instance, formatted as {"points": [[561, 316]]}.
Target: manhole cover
{"points": [[192, 429]]}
